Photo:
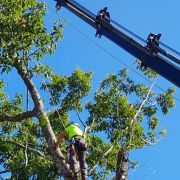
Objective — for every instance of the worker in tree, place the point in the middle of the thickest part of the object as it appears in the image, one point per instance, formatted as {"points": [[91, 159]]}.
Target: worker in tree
{"points": [[77, 148], [102, 14]]}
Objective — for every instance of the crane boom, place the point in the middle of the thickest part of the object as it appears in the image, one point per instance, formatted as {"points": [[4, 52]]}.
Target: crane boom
{"points": [[163, 65]]}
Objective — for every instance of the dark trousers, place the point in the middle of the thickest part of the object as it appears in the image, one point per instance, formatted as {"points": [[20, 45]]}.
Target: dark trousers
{"points": [[79, 151]]}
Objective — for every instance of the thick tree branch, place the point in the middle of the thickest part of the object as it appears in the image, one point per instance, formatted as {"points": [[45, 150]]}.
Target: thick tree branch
{"points": [[122, 166], [19, 117], [6, 171], [47, 131], [30, 86]]}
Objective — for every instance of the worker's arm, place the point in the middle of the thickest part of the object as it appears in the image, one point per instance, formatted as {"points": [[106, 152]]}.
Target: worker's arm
{"points": [[60, 137]]}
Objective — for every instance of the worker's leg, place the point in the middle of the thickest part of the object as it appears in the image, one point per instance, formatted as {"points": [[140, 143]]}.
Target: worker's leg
{"points": [[81, 147], [73, 161], [83, 165]]}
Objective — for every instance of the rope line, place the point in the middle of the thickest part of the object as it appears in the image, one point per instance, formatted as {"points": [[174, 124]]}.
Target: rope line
{"points": [[54, 104]]}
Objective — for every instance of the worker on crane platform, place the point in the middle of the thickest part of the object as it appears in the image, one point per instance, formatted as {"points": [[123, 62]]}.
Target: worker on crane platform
{"points": [[77, 148]]}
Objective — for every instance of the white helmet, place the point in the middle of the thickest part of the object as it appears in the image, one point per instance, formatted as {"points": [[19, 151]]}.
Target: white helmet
{"points": [[76, 124]]}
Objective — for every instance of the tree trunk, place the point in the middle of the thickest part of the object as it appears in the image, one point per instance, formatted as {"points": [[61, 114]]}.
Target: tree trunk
{"points": [[122, 167], [47, 131]]}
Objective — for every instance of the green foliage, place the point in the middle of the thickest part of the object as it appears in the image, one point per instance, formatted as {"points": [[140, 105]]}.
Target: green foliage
{"points": [[68, 91], [97, 147], [42, 69], [9, 107], [12, 152], [122, 120], [166, 101], [147, 71], [42, 120], [57, 118], [23, 36], [24, 40], [153, 123]]}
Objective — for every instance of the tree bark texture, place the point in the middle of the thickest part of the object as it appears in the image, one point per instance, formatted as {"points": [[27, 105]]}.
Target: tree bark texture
{"points": [[47, 131], [122, 167]]}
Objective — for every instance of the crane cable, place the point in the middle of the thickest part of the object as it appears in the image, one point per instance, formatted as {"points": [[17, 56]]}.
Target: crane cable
{"points": [[141, 39], [110, 54], [127, 30], [116, 58], [107, 52], [166, 46]]}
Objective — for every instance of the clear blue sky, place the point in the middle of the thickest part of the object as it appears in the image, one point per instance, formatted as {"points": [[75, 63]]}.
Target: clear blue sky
{"points": [[160, 162]]}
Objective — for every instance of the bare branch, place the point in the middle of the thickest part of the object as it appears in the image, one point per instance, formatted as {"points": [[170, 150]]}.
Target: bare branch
{"points": [[25, 154], [139, 110], [34, 52], [152, 104], [148, 142], [103, 156], [87, 128], [24, 146], [142, 104]]}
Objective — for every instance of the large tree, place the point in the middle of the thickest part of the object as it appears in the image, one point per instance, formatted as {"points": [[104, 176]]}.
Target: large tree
{"points": [[126, 112], [24, 41], [27, 136]]}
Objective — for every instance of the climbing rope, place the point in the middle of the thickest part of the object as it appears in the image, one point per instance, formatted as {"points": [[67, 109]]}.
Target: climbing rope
{"points": [[53, 101]]}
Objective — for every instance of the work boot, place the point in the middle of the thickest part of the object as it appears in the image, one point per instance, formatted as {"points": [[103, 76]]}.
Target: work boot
{"points": [[84, 177], [72, 175]]}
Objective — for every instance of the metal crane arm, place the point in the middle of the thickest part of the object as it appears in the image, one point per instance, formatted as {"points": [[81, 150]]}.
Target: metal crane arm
{"points": [[163, 65]]}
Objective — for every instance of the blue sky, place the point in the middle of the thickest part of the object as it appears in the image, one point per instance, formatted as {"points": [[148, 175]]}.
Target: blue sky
{"points": [[159, 162]]}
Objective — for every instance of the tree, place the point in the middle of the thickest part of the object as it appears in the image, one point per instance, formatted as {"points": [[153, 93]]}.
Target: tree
{"points": [[122, 119], [24, 42], [27, 136]]}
